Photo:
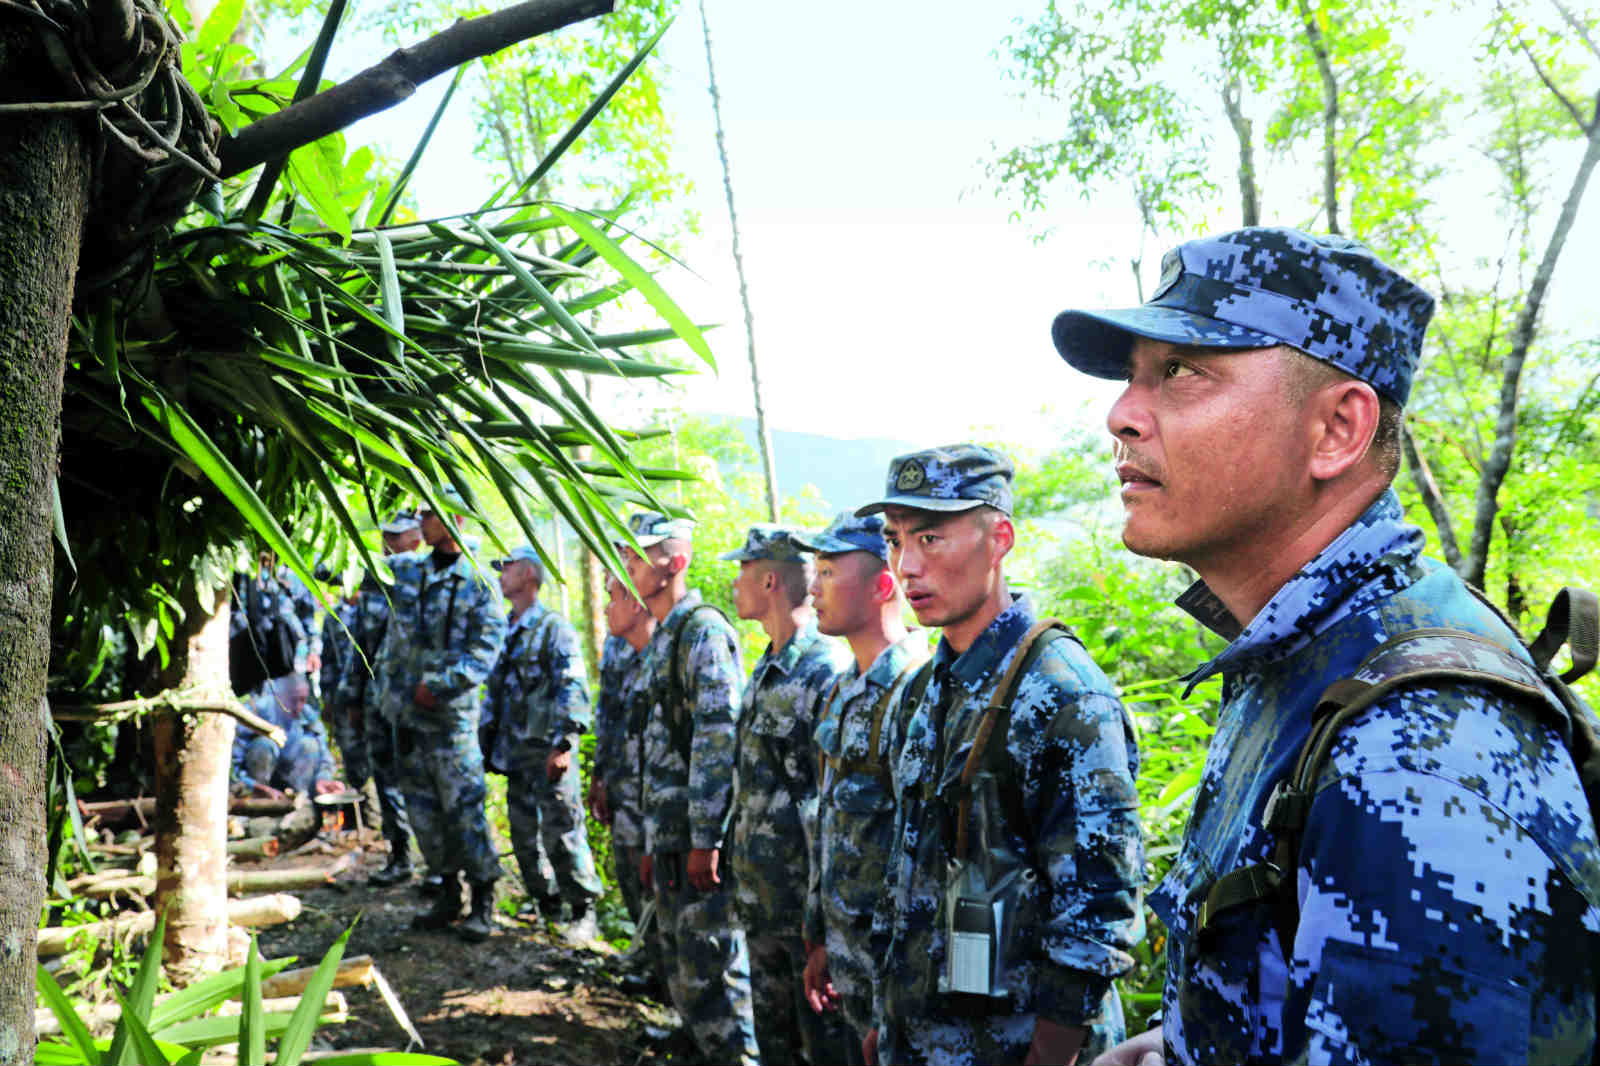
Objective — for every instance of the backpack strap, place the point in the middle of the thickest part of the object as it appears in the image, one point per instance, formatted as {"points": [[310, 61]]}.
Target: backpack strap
{"points": [[997, 715], [680, 724], [823, 759], [1573, 620], [1420, 656], [873, 763]]}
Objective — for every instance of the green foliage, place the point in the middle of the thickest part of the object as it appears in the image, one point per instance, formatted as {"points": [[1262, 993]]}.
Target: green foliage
{"points": [[179, 1028]]}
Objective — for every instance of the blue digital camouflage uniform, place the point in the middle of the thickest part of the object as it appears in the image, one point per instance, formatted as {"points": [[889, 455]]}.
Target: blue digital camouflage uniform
{"points": [[275, 598], [537, 702], [359, 700], [306, 609], [337, 651], [617, 764], [1075, 758], [1449, 862], [771, 834], [446, 630], [687, 788], [302, 761], [855, 818]]}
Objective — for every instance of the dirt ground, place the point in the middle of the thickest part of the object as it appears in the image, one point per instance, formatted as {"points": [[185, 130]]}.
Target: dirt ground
{"points": [[522, 997]]}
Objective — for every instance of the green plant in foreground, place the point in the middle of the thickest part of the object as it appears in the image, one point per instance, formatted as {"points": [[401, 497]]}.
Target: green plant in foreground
{"points": [[176, 1030]]}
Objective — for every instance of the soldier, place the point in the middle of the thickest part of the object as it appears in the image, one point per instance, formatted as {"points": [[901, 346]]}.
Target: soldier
{"points": [[773, 819], [689, 687], [536, 712], [857, 598], [446, 631], [338, 648], [264, 629], [1446, 888], [303, 762], [1011, 899], [614, 791], [359, 698]]}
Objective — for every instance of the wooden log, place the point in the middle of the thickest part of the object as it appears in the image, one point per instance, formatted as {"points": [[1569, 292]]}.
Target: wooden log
{"points": [[254, 847], [253, 912], [240, 882], [334, 1009], [121, 810], [354, 972]]}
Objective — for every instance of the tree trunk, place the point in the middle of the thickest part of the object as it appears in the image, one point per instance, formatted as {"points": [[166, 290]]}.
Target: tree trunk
{"points": [[1330, 115], [44, 196], [768, 467], [192, 755], [1244, 132]]}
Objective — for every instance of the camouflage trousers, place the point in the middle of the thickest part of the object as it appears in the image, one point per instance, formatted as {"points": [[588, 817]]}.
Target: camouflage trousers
{"points": [[625, 867], [996, 1038], [550, 836], [708, 969], [384, 764], [294, 766], [349, 730], [787, 1029], [442, 775], [850, 970]]}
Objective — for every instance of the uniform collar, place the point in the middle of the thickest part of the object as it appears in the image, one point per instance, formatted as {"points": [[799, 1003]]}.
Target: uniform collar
{"points": [[1313, 599], [674, 618], [528, 618], [785, 660], [885, 669], [975, 664]]}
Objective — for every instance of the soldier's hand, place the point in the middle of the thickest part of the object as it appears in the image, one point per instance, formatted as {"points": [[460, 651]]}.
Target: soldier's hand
{"points": [[265, 792], [819, 986], [424, 697], [599, 805], [703, 869], [557, 764], [328, 788], [869, 1048], [313, 663], [647, 869], [1143, 1050]]}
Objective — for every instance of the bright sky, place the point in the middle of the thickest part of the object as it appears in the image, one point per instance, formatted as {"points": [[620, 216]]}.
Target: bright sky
{"points": [[892, 295]]}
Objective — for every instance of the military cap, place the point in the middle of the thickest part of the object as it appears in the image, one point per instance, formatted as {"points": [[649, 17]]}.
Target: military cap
{"points": [[403, 520], [1260, 287], [521, 553], [848, 532], [954, 477], [771, 542], [650, 528]]}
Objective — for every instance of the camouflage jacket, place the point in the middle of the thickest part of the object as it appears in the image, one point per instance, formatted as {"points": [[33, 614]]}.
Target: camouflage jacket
{"points": [[369, 625], [538, 694], [306, 724], [686, 788], [445, 632], [306, 608], [855, 810], [273, 598], [772, 823], [611, 714], [337, 651], [1073, 760], [624, 760], [1449, 862]]}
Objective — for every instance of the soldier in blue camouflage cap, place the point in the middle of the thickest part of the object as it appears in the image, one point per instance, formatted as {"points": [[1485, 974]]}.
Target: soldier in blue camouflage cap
{"points": [[857, 598], [442, 641], [1011, 898], [356, 701], [537, 709], [773, 820], [1446, 889], [686, 704]]}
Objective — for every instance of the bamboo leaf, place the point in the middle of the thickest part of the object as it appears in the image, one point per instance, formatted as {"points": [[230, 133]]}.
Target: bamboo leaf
{"points": [[404, 179], [72, 1026], [59, 522], [297, 1037], [542, 295], [394, 311], [141, 1047], [252, 1037], [641, 279]]}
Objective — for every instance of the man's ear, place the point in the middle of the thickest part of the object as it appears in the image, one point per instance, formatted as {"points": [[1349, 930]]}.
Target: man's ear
{"points": [[1342, 420], [677, 563], [883, 587], [1004, 534]]}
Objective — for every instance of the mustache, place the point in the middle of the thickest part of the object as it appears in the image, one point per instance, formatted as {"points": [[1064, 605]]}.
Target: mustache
{"points": [[1123, 452]]}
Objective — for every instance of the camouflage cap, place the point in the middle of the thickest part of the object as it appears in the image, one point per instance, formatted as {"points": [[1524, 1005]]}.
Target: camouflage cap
{"points": [[848, 532], [1330, 297], [770, 542], [521, 553], [402, 521], [955, 477], [650, 528]]}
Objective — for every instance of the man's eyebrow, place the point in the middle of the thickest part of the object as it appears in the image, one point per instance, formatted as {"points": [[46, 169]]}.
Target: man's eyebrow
{"points": [[917, 525]]}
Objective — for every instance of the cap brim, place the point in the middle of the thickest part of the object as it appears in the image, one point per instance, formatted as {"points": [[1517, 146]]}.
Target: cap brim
{"points": [[1098, 342], [919, 503]]}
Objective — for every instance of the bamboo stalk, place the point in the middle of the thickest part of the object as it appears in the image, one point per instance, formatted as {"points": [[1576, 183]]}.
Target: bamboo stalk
{"points": [[240, 882], [253, 912], [354, 972]]}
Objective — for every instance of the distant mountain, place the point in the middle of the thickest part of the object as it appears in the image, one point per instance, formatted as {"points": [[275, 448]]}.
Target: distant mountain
{"points": [[848, 472]]}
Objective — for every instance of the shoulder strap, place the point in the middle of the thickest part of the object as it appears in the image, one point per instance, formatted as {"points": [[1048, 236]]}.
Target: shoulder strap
{"points": [[823, 761], [887, 700], [1032, 645], [680, 723], [1419, 656]]}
